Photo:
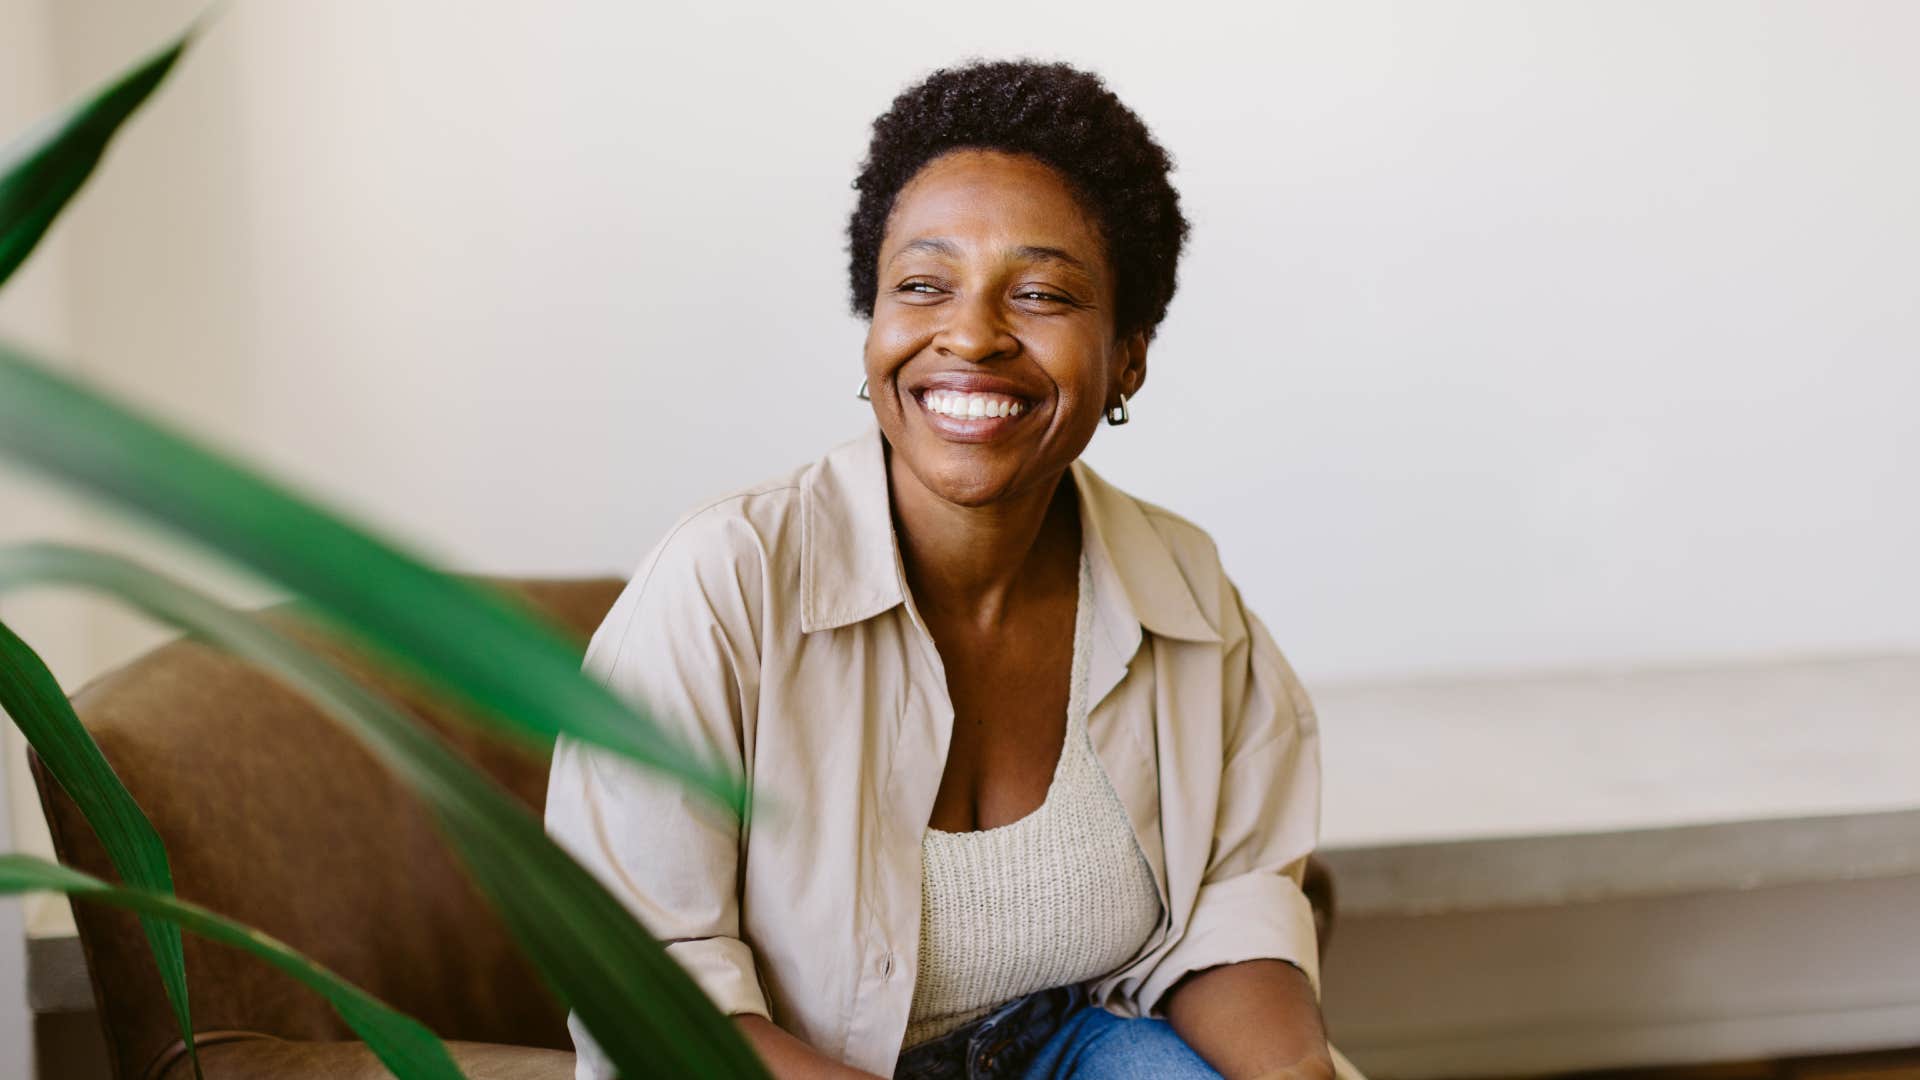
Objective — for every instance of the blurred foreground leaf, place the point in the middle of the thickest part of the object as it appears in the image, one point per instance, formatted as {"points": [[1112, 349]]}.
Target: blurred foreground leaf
{"points": [[521, 675], [33, 698], [43, 168], [642, 1008], [401, 1044], [40, 171]]}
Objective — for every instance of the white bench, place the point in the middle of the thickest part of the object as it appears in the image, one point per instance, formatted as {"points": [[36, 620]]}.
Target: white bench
{"points": [[1614, 869]]}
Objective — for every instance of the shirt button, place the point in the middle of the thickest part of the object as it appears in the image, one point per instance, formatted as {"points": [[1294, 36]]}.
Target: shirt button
{"points": [[883, 965]]}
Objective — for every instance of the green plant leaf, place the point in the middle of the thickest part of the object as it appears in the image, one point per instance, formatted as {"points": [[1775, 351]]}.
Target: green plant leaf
{"points": [[642, 1008], [401, 1043], [32, 697], [39, 173], [521, 676], [42, 169]]}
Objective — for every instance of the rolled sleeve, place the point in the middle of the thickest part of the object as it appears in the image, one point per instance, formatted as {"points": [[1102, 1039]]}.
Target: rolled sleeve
{"points": [[1256, 916], [680, 641], [1250, 904], [724, 968]]}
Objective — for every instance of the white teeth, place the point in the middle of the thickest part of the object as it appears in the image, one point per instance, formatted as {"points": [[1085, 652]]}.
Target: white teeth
{"points": [[972, 406]]}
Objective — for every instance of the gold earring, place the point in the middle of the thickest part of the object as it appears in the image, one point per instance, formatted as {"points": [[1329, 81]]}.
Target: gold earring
{"points": [[1118, 414], [862, 392]]}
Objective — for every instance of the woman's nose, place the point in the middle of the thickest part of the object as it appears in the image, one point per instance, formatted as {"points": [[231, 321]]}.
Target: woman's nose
{"points": [[976, 331]]}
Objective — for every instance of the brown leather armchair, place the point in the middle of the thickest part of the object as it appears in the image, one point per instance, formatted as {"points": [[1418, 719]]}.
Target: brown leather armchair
{"points": [[276, 817]]}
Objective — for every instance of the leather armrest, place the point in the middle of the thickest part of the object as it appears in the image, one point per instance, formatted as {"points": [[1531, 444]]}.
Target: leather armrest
{"points": [[248, 1056]]}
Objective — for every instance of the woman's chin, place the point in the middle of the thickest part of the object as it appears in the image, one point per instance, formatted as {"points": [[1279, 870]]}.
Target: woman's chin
{"points": [[961, 474]]}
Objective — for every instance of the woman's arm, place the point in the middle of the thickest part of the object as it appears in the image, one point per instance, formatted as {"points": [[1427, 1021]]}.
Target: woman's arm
{"points": [[788, 1057], [680, 642], [1254, 1019], [1241, 985]]}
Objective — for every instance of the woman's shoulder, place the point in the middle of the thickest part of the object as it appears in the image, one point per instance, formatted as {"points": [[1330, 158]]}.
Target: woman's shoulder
{"points": [[708, 576], [753, 539], [1185, 540], [1191, 545], [1182, 549], [1161, 554], [739, 531]]}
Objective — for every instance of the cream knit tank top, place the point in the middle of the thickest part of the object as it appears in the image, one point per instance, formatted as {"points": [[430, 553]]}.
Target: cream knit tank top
{"points": [[1058, 897]]}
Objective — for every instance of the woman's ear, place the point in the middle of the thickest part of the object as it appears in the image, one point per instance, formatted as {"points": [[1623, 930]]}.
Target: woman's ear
{"points": [[1133, 366]]}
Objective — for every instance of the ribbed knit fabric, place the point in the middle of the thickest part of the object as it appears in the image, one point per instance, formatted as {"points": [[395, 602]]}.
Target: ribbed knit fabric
{"points": [[1060, 896]]}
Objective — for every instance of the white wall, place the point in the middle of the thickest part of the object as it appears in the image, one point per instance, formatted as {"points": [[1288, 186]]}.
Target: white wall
{"points": [[1512, 335]]}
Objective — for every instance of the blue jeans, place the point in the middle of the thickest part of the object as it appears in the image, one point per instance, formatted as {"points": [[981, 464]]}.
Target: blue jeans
{"points": [[1055, 1035]]}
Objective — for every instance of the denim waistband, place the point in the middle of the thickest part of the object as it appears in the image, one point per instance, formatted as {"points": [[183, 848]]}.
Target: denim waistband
{"points": [[996, 1046]]}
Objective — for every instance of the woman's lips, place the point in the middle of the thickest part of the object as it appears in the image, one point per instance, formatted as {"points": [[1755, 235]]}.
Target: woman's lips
{"points": [[943, 409]]}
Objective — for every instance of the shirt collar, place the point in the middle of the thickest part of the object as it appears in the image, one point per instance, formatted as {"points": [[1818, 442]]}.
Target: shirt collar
{"points": [[850, 565]]}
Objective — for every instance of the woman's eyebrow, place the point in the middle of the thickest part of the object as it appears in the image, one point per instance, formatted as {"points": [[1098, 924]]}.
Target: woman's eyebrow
{"points": [[1050, 254], [932, 245]]}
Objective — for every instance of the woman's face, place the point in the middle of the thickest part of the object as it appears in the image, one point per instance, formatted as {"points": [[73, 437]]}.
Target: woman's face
{"points": [[992, 355]]}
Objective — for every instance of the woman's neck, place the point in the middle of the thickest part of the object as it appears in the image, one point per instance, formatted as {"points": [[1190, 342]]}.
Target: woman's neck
{"points": [[976, 564]]}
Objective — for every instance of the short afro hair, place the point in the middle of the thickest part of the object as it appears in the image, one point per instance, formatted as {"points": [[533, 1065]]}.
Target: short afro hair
{"points": [[1066, 118]]}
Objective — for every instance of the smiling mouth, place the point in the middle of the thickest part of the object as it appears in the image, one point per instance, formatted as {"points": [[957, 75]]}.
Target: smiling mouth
{"points": [[971, 417]]}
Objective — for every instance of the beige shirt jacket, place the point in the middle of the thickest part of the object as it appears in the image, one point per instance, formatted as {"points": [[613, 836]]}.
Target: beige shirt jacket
{"points": [[775, 626]]}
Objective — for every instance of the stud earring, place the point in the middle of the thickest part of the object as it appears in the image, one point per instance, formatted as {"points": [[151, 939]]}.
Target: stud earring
{"points": [[862, 392], [1118, 414]]}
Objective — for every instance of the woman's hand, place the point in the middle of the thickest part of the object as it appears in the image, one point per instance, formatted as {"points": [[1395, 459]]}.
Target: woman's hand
{"points": [[1255, 1020], [788, 1057]]}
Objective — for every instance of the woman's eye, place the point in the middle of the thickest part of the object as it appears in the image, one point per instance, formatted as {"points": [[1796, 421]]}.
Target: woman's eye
{"points": [[1038, 295], [919, 287]]}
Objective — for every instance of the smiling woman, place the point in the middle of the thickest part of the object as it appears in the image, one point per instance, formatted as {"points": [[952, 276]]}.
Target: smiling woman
{"points": [[991, 311], [1041, 789]]}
